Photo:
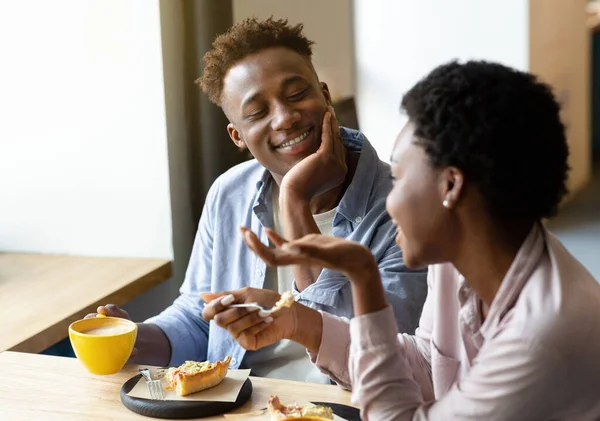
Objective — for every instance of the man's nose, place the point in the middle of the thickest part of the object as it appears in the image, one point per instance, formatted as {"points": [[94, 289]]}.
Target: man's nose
{"points": [[284, 117]]}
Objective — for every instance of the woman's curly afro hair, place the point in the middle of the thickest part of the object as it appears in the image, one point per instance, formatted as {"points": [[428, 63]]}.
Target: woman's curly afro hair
{"points": [[501, 127]]}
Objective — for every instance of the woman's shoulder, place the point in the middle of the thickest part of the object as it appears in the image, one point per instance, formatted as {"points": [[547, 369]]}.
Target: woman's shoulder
{"points": [[559, 305]]}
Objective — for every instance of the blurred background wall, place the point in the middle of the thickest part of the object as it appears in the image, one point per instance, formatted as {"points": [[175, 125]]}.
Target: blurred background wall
{"points": [[107, 147]]}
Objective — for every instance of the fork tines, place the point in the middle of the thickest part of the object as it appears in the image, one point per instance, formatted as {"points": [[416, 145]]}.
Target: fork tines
{"points": [[155, 389]]}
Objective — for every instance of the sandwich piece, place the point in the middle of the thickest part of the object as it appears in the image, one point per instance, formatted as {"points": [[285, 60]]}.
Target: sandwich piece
{"points": [[193, 376], [280, 412]]}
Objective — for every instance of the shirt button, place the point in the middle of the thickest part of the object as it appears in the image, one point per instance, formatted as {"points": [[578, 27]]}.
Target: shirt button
{"points": [[259, 272], [358, 219], [233, 361]]}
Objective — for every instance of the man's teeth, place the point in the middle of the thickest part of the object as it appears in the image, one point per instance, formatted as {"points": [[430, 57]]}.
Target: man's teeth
{"points": [[294, 141]]}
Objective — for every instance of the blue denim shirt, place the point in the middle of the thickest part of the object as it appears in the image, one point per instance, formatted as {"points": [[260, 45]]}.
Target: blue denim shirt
{"points": [[221, 261]]}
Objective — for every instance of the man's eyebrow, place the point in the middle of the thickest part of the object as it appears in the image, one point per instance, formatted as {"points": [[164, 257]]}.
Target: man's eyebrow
{"points": [[285, 83], [292, 79], [250, 99]]}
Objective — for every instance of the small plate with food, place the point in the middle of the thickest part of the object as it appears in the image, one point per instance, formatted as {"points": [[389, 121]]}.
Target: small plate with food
{"points": [[313, 411], [192, 390]]}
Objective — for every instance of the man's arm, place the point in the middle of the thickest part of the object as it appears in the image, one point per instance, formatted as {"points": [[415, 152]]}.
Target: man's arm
{"points": [[151, 345], [297, 222], [178, 333], [317, 180], [186, 332]]}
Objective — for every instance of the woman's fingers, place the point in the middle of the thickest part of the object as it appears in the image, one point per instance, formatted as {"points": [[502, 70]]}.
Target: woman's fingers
{"points": [[207, 297], [275, 238], [313, 249], [273, 256], [246, 323], [219, 308]]}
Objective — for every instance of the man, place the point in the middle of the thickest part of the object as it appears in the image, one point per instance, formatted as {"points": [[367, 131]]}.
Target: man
{"points": [[309, 176]]}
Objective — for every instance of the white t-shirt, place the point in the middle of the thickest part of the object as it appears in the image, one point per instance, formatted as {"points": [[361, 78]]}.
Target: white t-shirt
{"points": [[287, 359]]}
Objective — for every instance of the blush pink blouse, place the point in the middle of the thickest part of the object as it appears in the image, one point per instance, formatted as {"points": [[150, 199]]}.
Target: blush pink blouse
{"points": [[535, 357]]}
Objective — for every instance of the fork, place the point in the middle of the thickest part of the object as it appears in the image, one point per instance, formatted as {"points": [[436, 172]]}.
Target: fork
{"points": [[263, 310], [154, 386]]}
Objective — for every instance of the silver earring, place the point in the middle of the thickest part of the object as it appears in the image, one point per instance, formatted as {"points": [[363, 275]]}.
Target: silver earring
{"points": [[446, 203]]}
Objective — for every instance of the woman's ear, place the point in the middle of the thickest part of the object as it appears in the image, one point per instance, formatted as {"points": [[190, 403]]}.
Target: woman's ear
{"points": [[326, 94], [234, 134], [452, 185]]}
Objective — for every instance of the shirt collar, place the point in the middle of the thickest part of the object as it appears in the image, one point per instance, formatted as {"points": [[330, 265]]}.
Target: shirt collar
{"points": [[355, 201], [263, 184], [520, 270], [263, 206]]}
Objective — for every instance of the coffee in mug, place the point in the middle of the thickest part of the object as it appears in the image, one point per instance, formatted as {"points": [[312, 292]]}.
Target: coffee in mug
{"points": [[103, 344], [106, 330]]}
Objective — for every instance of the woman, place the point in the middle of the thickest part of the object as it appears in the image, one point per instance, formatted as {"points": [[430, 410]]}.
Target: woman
{"points": [[510, 329]]}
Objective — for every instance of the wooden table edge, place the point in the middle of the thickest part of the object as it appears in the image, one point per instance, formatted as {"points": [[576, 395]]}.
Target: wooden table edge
{"points": [[58, 331]]}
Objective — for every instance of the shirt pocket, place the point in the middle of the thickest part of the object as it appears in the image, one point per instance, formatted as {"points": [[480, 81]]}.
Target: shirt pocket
{"points": [[444, 371]]}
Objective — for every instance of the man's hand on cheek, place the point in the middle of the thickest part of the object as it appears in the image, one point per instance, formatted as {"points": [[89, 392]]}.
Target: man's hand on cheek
{"points": [[321, 171]]}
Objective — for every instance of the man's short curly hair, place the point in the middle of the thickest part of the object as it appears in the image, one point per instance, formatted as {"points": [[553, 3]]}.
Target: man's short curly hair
{"points": [[501, 127], [243, 39]]}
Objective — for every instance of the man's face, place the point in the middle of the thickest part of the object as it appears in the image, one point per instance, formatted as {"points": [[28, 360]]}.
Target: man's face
{"points": [[276, 105]]}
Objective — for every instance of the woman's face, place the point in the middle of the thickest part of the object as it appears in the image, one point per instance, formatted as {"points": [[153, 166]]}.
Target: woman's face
{"points": [[424, 224]]}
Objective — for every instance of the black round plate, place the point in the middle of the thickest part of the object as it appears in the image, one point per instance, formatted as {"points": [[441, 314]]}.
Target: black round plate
{"points": [[347, 412], [180, 409]]}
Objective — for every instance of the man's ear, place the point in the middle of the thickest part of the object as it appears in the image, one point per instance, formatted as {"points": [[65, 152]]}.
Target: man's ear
{"points": [[326, 94], [234, 134], [452, 182]]}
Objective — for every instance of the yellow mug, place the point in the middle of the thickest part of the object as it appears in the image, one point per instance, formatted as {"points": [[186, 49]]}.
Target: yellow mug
{"points": [[103, 344]]}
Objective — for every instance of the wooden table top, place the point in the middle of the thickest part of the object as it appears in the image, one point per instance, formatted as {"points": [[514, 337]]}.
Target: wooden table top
{"points": [[59, 388], [40, 294]]}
